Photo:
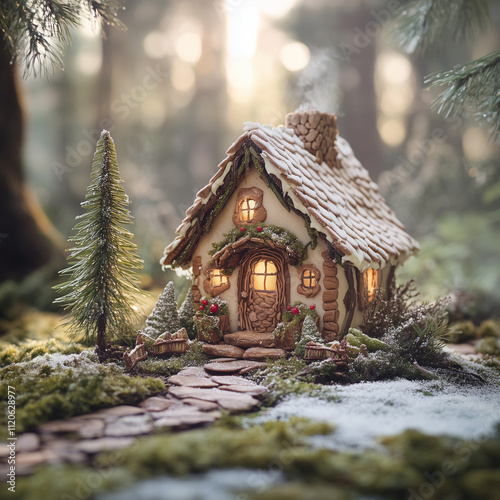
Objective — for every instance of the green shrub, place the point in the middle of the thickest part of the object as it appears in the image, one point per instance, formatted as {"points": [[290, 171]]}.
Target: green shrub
{"points": [[489, 345], [489, 328], [58, 386], [463, 331]]}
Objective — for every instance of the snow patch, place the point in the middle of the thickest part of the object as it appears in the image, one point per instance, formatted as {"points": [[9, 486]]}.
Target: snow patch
{"points": [[370, 410]]}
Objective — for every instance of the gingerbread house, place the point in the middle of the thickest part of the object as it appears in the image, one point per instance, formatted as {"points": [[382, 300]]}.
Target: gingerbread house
{"points": [[290, 215]]}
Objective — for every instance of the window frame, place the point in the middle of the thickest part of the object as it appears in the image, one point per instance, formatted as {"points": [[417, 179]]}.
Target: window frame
{"points": [[315, 273]]}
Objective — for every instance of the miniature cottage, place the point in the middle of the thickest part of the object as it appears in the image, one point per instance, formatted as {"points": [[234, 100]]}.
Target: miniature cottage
{"points": [[290, 215]]}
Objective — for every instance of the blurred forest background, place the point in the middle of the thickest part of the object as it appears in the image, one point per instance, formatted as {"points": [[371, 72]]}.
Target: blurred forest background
{"points": [[175, 86]]}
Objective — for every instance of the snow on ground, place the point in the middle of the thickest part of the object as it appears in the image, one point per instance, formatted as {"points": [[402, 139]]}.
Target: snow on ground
{"points": [[373, 409], [212, 485]]}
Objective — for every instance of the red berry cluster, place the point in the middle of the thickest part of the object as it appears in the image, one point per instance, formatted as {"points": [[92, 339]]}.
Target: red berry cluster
{"points": [[214, 308]]}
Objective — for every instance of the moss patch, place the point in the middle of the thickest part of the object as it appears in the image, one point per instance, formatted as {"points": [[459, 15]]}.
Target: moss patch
{"points": [[170, 366], [459, 469], [274, 233], [59, 386], [30, 349]]}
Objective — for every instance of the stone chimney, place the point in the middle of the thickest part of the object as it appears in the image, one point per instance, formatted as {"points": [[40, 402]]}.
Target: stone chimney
{"points": [[317, 131]]}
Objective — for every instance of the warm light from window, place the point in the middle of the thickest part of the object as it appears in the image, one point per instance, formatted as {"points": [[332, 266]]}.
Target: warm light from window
{"points": [[247, 210], [308, 279], [264, 276], [371, 282], [217, 278]]}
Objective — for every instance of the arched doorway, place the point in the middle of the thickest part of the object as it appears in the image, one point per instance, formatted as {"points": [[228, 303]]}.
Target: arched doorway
{"points": [[263, 290]]}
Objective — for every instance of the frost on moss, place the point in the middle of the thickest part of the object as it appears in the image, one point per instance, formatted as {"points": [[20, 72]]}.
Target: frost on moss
{"points": [[30, 349], [285, 377], [57, 386]]}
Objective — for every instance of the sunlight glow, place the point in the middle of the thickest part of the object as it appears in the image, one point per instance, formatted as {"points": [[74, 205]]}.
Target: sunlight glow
{"points": [[240, 77], [295, 56], [392, 131], [395, 68], [276, 8], [188, 47], [182, 76], [89, 60], [156, 45], [242, 30], [396, 100]]}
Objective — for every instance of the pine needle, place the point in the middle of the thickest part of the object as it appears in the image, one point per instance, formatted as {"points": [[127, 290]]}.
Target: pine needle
{"points": [[425, 24], [474, 86]]}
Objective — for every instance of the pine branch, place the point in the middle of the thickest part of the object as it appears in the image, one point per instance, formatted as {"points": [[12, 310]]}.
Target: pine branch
{"points": [[424, 24], [474, 87], [36, 31]]}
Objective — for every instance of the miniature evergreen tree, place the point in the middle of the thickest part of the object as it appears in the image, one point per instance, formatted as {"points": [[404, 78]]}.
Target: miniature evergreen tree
{"points": [[310, 333], [104, 262], [186, 314], [164, 316]]}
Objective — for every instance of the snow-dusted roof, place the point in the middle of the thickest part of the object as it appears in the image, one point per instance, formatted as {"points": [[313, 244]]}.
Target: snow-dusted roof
{"points": [[343, 203]]}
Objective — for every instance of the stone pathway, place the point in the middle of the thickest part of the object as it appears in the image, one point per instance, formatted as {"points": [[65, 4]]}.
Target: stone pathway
{"points": [[196, 397]]}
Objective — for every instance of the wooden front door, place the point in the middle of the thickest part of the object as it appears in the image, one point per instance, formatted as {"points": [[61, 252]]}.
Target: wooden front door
{"points": [[263, 289]]}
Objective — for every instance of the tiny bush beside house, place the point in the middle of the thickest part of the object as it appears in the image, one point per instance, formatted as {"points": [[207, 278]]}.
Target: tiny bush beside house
{"points": [[290, 216]]}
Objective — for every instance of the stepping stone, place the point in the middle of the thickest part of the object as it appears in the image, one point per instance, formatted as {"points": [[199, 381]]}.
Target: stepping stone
{"points": [[27, 442], [223, 350], [189, 420], [235, 402], [119, 411], [247, 339], [61, 426], [194, 392], [263, 353], [34, 458], [132, 425], [232, 367], [93, 446], [232, 380], [256, 390], [91, 429], [200, 404], [191, 381], [193, 371], [221, 360], [155, 404]]}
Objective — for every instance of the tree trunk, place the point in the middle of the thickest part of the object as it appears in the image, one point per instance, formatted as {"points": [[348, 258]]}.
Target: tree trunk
{"points": [[101, 337], [28, 240]]}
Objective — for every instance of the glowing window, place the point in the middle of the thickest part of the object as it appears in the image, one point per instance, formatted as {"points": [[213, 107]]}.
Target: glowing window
{"points": [[217, 278], [308, 278], [371, 282], [264, 276], [247, 210]]}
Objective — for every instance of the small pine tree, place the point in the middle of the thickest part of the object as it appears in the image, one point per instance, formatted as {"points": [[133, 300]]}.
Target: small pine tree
{"points": [[164, 316], [104, 263], [186, 314], [310, 333]]}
